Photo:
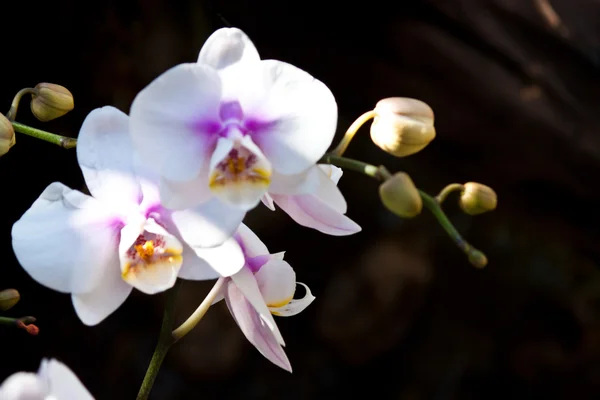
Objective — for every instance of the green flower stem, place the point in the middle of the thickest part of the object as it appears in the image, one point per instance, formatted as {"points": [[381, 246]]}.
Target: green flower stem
{"points": [[476, 257], [349, 135], [441, 197], [162, 347], [197, 315], [14, 107], [62, 141]]}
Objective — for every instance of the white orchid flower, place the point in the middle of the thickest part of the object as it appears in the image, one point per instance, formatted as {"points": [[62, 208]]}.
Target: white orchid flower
{"points": [[232, 126], [101, 246], [53, 381], [322, 209], [264, 287]]}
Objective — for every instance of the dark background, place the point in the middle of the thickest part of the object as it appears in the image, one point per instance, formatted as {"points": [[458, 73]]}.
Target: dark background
{"points": [[400, 314]]}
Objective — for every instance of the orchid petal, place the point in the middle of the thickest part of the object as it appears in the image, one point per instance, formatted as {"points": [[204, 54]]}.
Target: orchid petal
{"points": [[310, 211], [246, 283], [239, 173], [23, 386], [172, 120], [226, 259], [277, 282], [181, 195], [227, 47], [110, 293], [195, 268], [65, 240], [295, 306], [105, 155], [305, 182], [251, 244], [268, 201], [296, 113], [333, 172], [63, 383], [328, 192], [208, 224], [254, 327]]}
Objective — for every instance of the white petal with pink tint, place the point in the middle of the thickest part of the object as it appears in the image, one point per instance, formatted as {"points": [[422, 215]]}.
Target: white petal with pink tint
{"points": [[256, 330], [65, 240], [246, 283], [277, 282], [168, 120], [227, 47], [105, 155]]}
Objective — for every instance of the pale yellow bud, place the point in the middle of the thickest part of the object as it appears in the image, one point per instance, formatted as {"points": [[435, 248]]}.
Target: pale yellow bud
{"points": [[477, 198], [51, 101], [400, 196], [7, 135], [402, 126], [8, 298]]}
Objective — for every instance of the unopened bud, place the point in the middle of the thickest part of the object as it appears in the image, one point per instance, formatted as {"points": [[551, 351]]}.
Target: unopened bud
{"points": [[477, 198], [51, 101], [477, 259], [7, 135], [400, 195], [8, 298], [402, 126]]}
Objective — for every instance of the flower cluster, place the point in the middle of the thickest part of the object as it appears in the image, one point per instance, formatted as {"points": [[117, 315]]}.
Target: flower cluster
{"points": [[170, 184]]}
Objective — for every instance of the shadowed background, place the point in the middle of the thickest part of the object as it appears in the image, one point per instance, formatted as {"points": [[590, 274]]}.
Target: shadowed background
{"points": [[400, 314]]}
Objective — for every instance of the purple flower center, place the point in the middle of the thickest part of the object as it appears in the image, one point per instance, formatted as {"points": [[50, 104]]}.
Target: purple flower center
{"points": [[231, 118]]}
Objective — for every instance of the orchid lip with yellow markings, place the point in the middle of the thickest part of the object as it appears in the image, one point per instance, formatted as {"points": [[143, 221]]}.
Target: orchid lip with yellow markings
{"points": [[152, 262]]}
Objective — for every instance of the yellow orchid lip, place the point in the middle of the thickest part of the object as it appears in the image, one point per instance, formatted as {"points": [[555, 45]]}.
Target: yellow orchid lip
{"points": [[279, 305]]}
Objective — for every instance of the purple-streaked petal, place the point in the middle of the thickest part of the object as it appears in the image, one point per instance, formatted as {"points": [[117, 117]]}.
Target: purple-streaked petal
{"points": [[209, 224], [105, 155], [254, 327], [62, 382], [277, 282], [251, 244], [227, 47], [292, 116], [310, 211], [66, 239], [172, 121], [295, 306], [246, 283]]}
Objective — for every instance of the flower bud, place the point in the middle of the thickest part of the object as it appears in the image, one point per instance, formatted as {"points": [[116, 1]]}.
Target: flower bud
{"points": [[477, 198], [7, 135], [400, 195], [8, 298], [402, 126], [51, 101]]}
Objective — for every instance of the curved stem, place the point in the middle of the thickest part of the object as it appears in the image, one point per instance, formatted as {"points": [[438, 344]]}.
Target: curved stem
{"points": [[441, 197], [349, 135], [62, 141], [476, 257], [14, 107], [162, 347], [193, 319]]}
